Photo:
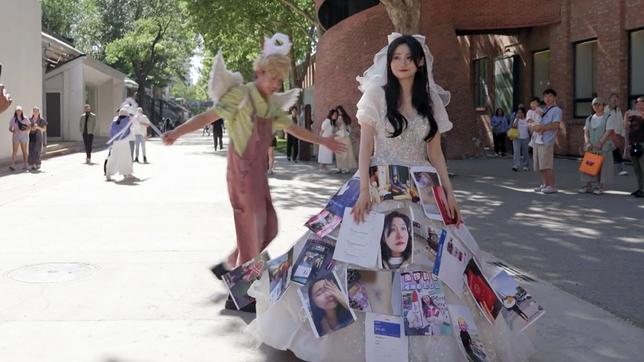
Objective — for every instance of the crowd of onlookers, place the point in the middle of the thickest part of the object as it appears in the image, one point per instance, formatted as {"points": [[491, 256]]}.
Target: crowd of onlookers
{"points": [[609, 133]]}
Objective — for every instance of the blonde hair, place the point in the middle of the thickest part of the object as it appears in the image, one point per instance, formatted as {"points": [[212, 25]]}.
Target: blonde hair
{"points": [[274, 64]]}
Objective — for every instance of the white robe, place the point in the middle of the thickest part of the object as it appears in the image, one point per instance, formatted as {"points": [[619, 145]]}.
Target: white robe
{"points": [[120, 159], [325, 155]]}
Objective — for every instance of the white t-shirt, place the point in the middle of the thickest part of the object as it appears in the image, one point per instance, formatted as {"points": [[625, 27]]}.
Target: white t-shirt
{"points": [[533, 115], [522, 125], [595, 121], [139, 125], [618, 121]]}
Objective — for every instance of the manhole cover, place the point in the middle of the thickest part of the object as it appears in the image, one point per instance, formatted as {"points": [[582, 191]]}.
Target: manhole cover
{"points": [[52, 272]]}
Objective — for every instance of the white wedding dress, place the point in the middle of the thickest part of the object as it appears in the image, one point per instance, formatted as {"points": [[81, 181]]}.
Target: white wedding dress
{"points": [[284, 325]]}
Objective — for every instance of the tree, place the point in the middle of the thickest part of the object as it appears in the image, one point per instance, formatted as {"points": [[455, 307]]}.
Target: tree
{"points": [[238, 29], [157, 48], [404, 14]]}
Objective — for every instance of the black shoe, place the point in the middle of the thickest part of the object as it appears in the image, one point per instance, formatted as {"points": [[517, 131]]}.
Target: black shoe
{"points": [[230, 305], [639, 193], [136, 160], [219, 270], [635, 192], [145, 159], [515, 169]]}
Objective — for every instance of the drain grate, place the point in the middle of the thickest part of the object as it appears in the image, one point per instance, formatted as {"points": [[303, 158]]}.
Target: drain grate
{"points": [[52, 272]]}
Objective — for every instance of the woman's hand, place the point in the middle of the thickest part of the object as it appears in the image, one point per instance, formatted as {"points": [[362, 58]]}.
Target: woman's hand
{"points": [[335, 291], [170, 137], [362, 207], [453, 211]]}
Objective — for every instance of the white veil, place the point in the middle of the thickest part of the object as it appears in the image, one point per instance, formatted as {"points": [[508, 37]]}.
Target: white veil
{"points": [[376, 76]]}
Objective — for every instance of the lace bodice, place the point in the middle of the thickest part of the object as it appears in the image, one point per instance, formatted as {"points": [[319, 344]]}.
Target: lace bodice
{"points": [[409, 148]]}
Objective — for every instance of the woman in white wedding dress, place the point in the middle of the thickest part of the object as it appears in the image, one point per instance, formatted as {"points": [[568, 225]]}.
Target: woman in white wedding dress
{"points": [[402, 115]]}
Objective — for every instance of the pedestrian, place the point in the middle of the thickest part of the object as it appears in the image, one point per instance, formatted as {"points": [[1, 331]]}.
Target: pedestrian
{"points": [[619, 137], [20, 127], [634, 123], [598, 132], [251, 116], [345, 161], [38, 129], [206, 130], [119, 159], [218, 133], [140, 125], [499, 123], [88, 128], [292, 143], [520, 145], [325, 155], [543, 154], [271, 154], [5, 99]]}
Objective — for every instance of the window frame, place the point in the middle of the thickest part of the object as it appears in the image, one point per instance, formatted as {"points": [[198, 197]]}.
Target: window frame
{"points": [[576, 100]]}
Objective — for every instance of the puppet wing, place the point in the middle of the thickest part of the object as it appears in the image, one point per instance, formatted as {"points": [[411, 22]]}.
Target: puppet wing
{"points": [[286, 100], [221, 79]]}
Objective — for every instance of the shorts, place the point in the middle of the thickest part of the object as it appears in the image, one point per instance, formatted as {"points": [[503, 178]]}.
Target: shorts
{"points": [[543, 157], [21, 137]]}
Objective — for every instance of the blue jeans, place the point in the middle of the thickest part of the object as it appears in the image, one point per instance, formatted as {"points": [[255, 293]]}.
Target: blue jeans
{"points": [[520, 149], [139, 140]]}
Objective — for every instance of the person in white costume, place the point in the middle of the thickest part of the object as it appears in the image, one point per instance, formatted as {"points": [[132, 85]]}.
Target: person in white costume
{"points": [[119, 159], [402, 114]]}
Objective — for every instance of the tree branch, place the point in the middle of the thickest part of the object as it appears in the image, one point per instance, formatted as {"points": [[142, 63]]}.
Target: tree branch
{"points": [[300, 11]]}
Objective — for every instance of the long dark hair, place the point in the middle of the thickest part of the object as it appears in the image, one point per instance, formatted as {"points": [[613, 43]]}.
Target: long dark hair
{"points": [[317, 313], [420, 99], [329, 115], [344, 114], [385, 252], [22, 114]]}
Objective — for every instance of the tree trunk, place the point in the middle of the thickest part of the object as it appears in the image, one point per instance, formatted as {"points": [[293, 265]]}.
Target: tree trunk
{"points": [[404, 14]]}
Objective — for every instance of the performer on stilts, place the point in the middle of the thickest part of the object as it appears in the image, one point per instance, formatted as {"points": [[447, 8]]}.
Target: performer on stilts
{"points": [[251, 113]]}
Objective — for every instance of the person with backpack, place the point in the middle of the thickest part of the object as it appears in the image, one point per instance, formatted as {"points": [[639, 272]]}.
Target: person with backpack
{"points": [[598, 133]]}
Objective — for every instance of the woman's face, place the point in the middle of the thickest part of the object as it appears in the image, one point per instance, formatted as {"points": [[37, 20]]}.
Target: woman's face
{"points": [[402, 65], [323, 296], [398, 237]]}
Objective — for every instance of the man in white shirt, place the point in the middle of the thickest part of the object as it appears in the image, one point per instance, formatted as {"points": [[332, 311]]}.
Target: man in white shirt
{"points": [[140, 125]]}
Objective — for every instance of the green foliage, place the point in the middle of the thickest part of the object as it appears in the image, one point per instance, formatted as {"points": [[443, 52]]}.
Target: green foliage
{"points": [[238, 28]]}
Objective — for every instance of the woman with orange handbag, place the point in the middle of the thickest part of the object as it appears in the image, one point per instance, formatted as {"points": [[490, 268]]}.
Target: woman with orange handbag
{"points": [[598, 132]]}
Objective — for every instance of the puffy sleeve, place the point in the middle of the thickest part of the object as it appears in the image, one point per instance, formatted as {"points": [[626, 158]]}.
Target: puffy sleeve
{"points": [[228, 105], [440, 99], [371, 107]]}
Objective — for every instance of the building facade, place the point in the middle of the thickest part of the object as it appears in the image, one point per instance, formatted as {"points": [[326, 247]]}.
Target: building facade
{"points": [[496, 55]]}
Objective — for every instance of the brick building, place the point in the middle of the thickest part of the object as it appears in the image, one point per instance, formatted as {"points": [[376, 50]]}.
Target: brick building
{"points": [[494, 55]]}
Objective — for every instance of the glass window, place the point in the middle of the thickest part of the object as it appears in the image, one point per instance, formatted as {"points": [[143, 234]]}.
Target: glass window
{"points": [[637, 65], [480, 82], [585, 73], [540, 72]]}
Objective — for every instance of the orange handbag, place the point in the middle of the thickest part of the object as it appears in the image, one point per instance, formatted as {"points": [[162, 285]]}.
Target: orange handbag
{"points": [[591, 164]]}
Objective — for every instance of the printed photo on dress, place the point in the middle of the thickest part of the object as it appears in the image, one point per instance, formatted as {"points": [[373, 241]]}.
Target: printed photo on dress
{"points": [[279, 270], [451, 259], [482, 291], [426, 239], [426, 178], [323, 223], [239, 280], [520, 310], [467, 333], [326, 305], [424, 310], [370, 291], [391, 182], [316, 258], [397, 239], [330, 217]]}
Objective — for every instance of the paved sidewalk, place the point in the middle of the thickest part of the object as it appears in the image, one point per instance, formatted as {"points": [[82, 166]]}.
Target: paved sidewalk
{"points": [[139, 289]]}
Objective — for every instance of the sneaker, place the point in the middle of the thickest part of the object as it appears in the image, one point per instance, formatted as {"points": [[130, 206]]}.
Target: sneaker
{"points": [[540, 188], [597, 191], [230, 305], [549, 190], [515, 169], [585, 190], [145, 159], [623, 173], [136, 160], [219, 270], [108, 178], [12, 168], [526, 169]]}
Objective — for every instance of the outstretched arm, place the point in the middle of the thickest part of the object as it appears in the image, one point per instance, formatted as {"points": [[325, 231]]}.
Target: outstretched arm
{"points": [[195, 123], [308, 136]]}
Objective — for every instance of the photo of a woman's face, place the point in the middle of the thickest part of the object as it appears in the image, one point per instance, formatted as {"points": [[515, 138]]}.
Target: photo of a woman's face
{"points": [[398, 236], [323, 296]]}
